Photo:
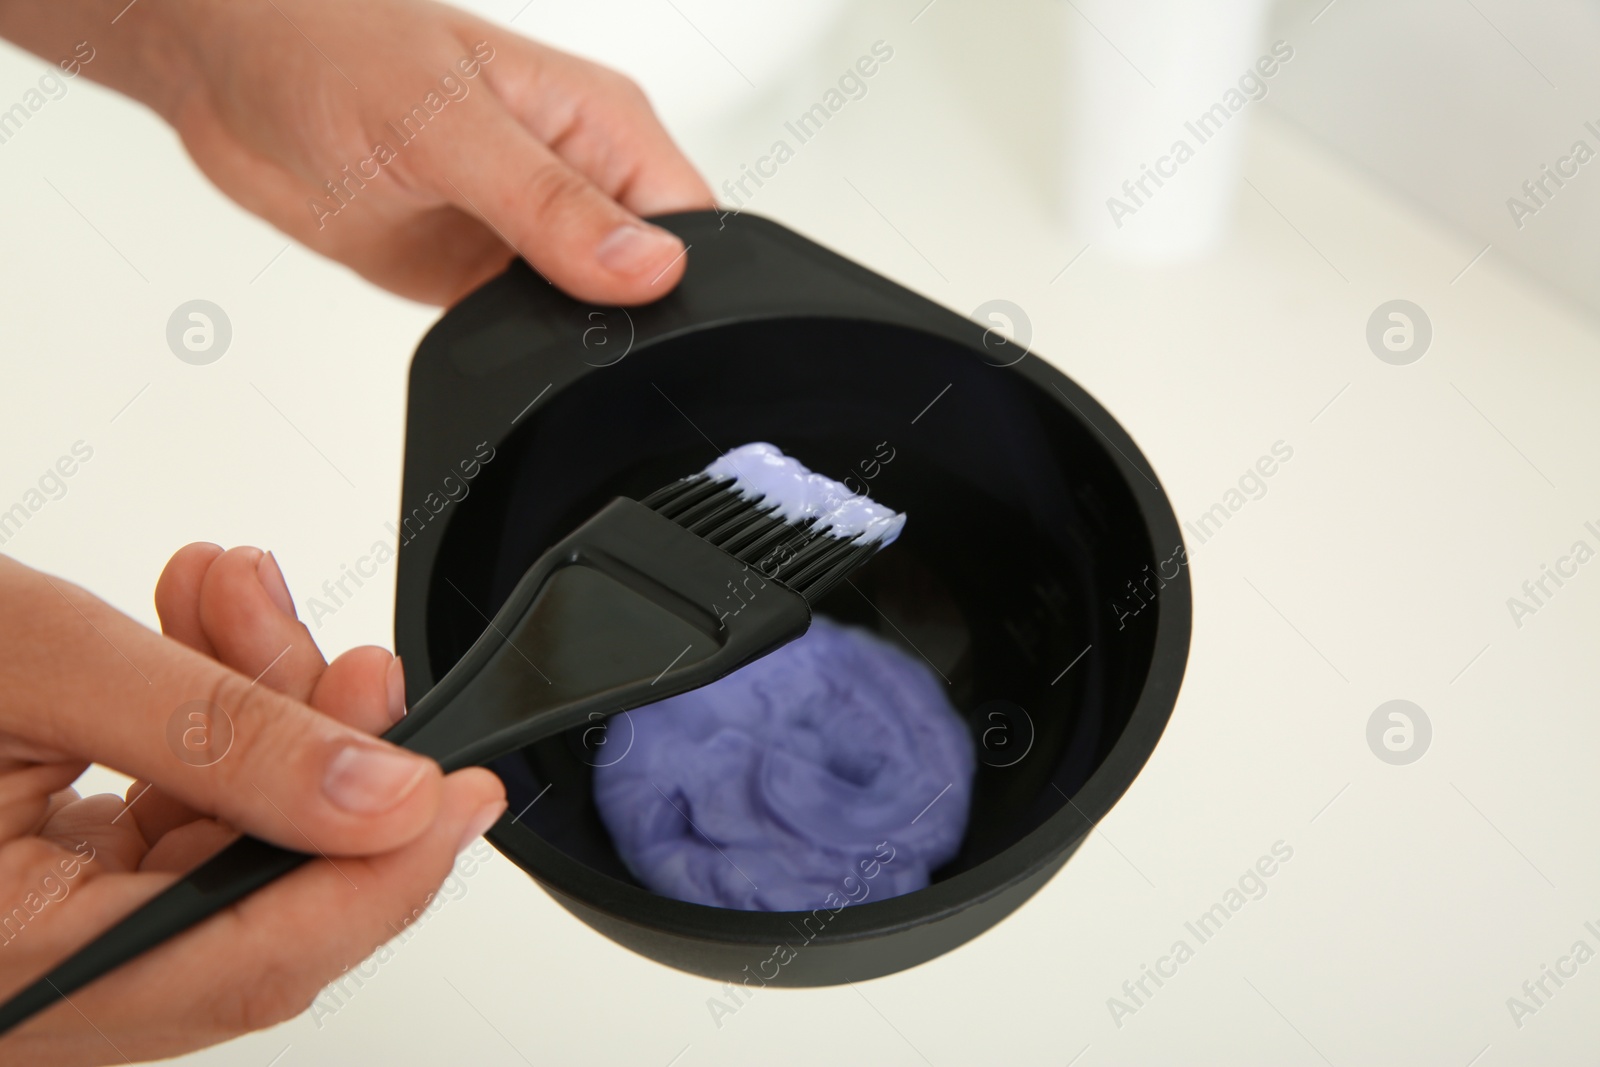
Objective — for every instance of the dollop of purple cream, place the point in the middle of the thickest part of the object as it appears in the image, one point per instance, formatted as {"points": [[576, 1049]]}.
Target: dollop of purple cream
{"points": [[832, 771], [760, 469]]}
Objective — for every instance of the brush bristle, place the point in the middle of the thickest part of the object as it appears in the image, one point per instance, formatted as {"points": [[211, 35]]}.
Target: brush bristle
{"points": [[809, 559]]}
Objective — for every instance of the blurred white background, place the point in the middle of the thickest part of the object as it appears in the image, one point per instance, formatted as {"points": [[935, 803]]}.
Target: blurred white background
{"points": [[1420, 496]]}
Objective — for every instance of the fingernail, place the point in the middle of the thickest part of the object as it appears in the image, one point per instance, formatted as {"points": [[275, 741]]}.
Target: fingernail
{"points": [[480, 824], [397, 691], [633, 248], [272, 581], [369, 780]]}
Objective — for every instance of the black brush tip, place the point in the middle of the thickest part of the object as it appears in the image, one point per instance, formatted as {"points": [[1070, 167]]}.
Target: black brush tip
{"points": [[808, 558]]}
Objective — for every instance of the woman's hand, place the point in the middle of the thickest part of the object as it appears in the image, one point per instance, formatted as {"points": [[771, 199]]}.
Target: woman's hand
{"points": [[406, 139], [84, 683]]}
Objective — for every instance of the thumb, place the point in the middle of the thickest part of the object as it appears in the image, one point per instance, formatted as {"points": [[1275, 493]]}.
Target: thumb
{"points": [[580, 239], [82, 678]]}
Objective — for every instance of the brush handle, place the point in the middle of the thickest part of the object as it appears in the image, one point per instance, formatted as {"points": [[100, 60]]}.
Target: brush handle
{"points": [[622, 613], [224, 879]]}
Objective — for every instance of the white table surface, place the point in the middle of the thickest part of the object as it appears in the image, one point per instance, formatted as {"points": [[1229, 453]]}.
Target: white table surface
{"points": [[1378, 566]]}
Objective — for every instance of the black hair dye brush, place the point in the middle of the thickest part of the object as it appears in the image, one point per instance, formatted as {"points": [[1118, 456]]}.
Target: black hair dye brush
{"points": [[625, 611]]}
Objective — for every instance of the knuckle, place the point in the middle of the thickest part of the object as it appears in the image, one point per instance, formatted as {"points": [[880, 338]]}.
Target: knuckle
{"points": [[273, 994], [613, 86], [554, 189], [263, 732], [629, 89]]}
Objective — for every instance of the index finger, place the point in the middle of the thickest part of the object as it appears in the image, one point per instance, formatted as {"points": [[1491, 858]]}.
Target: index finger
{"points": [[85, 679]]}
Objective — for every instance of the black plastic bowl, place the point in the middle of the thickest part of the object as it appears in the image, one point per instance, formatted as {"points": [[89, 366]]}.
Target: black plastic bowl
{"points": [[1040, 570]]}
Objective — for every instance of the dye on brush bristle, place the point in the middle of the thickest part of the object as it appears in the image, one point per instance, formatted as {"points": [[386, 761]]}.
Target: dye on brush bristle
{"points": [[761, 470]]}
